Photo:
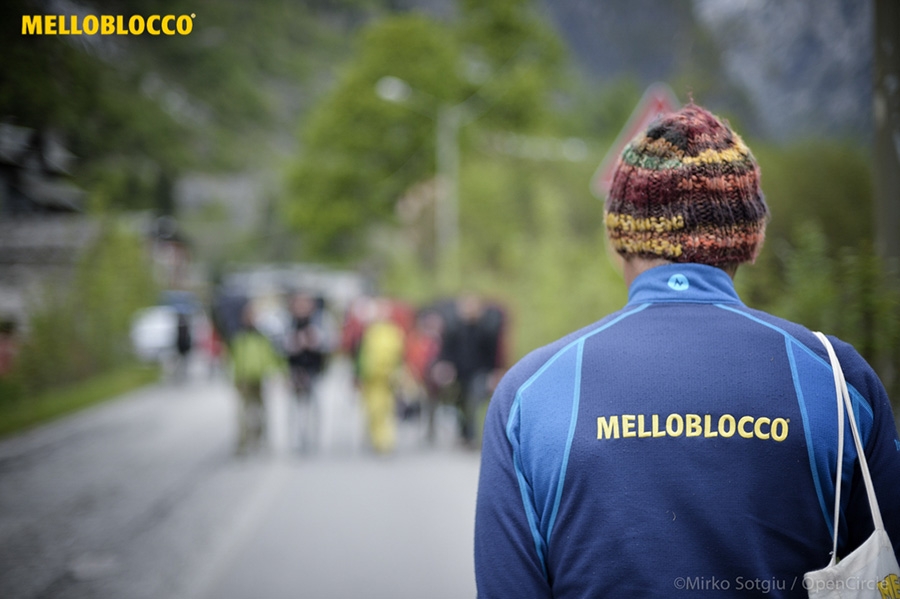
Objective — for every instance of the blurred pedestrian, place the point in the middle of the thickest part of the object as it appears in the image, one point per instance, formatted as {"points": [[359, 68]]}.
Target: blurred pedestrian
{"points": [[423, 346], [359, 315], [307, 345], [380, 358], [253, 359], [213, 348], [468, 360], [183, 345], [685, 443]]}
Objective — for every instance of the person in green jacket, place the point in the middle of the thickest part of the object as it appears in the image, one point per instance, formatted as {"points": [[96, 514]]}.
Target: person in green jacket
{"points": [[253, 358]]}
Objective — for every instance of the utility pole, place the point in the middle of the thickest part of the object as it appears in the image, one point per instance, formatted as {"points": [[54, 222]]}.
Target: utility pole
{"points": [[447, 208], [448, 120], [887, 129], [887, 157]]}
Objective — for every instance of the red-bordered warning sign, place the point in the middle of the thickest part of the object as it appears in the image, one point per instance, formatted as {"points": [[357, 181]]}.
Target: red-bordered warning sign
{"points": [[657, 100]]}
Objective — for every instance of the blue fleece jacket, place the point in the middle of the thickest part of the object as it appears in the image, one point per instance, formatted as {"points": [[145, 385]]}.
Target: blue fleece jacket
{"points": [[685, 445]]}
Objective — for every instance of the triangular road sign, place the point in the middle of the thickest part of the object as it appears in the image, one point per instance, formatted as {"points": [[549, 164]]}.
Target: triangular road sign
{"points": [[658, 99]]}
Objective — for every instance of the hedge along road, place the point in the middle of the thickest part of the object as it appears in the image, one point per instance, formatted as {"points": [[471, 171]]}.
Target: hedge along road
{"points": [[142, 498]]}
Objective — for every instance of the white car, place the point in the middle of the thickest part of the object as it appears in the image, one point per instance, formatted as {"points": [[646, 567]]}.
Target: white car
{"points": [[153, 332]]}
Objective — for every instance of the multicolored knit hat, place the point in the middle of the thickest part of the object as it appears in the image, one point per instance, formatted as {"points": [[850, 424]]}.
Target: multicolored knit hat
{"points": [[687, 190]]}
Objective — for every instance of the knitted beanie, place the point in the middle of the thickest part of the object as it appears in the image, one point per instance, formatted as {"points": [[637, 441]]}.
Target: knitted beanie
{"points": [[687, 190]]}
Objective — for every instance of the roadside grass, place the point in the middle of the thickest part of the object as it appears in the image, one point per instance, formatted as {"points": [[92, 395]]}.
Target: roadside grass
{"points": [[17, 416]]}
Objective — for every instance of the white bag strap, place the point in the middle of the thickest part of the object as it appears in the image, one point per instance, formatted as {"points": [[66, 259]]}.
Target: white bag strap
{"points": [[843, 399]]}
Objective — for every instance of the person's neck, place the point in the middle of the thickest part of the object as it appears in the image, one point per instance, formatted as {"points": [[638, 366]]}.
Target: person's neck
{"points": [[634, 266]]}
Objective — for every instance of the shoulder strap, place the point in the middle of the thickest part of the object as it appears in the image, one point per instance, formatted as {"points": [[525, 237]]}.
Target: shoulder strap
{"points": [[843, 400]]}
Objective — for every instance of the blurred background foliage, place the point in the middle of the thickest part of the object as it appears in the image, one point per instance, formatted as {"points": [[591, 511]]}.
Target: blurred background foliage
{"points": [[288, 89], [79, 328]]}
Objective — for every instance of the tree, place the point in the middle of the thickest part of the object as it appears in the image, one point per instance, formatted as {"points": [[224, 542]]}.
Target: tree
{"points": [[360, 151], [136, 109], [513, 58], [887, 120], [361, 154]]}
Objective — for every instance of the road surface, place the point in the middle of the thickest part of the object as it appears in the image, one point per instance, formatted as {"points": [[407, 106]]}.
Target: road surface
{"points": [[142, 497]]}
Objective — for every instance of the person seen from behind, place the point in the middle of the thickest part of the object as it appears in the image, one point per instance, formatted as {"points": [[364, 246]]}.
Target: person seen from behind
{"points": [[686, 442]]}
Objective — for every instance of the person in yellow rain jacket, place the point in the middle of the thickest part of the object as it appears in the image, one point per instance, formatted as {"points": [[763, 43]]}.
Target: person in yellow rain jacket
{"points": [[253, 358], [380, 356]]}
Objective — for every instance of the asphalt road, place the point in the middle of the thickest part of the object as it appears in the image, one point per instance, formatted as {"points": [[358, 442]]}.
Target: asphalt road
{"points": [[142, 497]]}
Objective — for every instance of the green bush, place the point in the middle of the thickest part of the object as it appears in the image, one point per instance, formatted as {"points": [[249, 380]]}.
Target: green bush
{"points": [[849, 292], [818, 266], [10, 389], [80, 328]]}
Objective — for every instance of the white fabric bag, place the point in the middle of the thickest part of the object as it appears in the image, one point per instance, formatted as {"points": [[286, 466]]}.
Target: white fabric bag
{"points": [[871, 570]]}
